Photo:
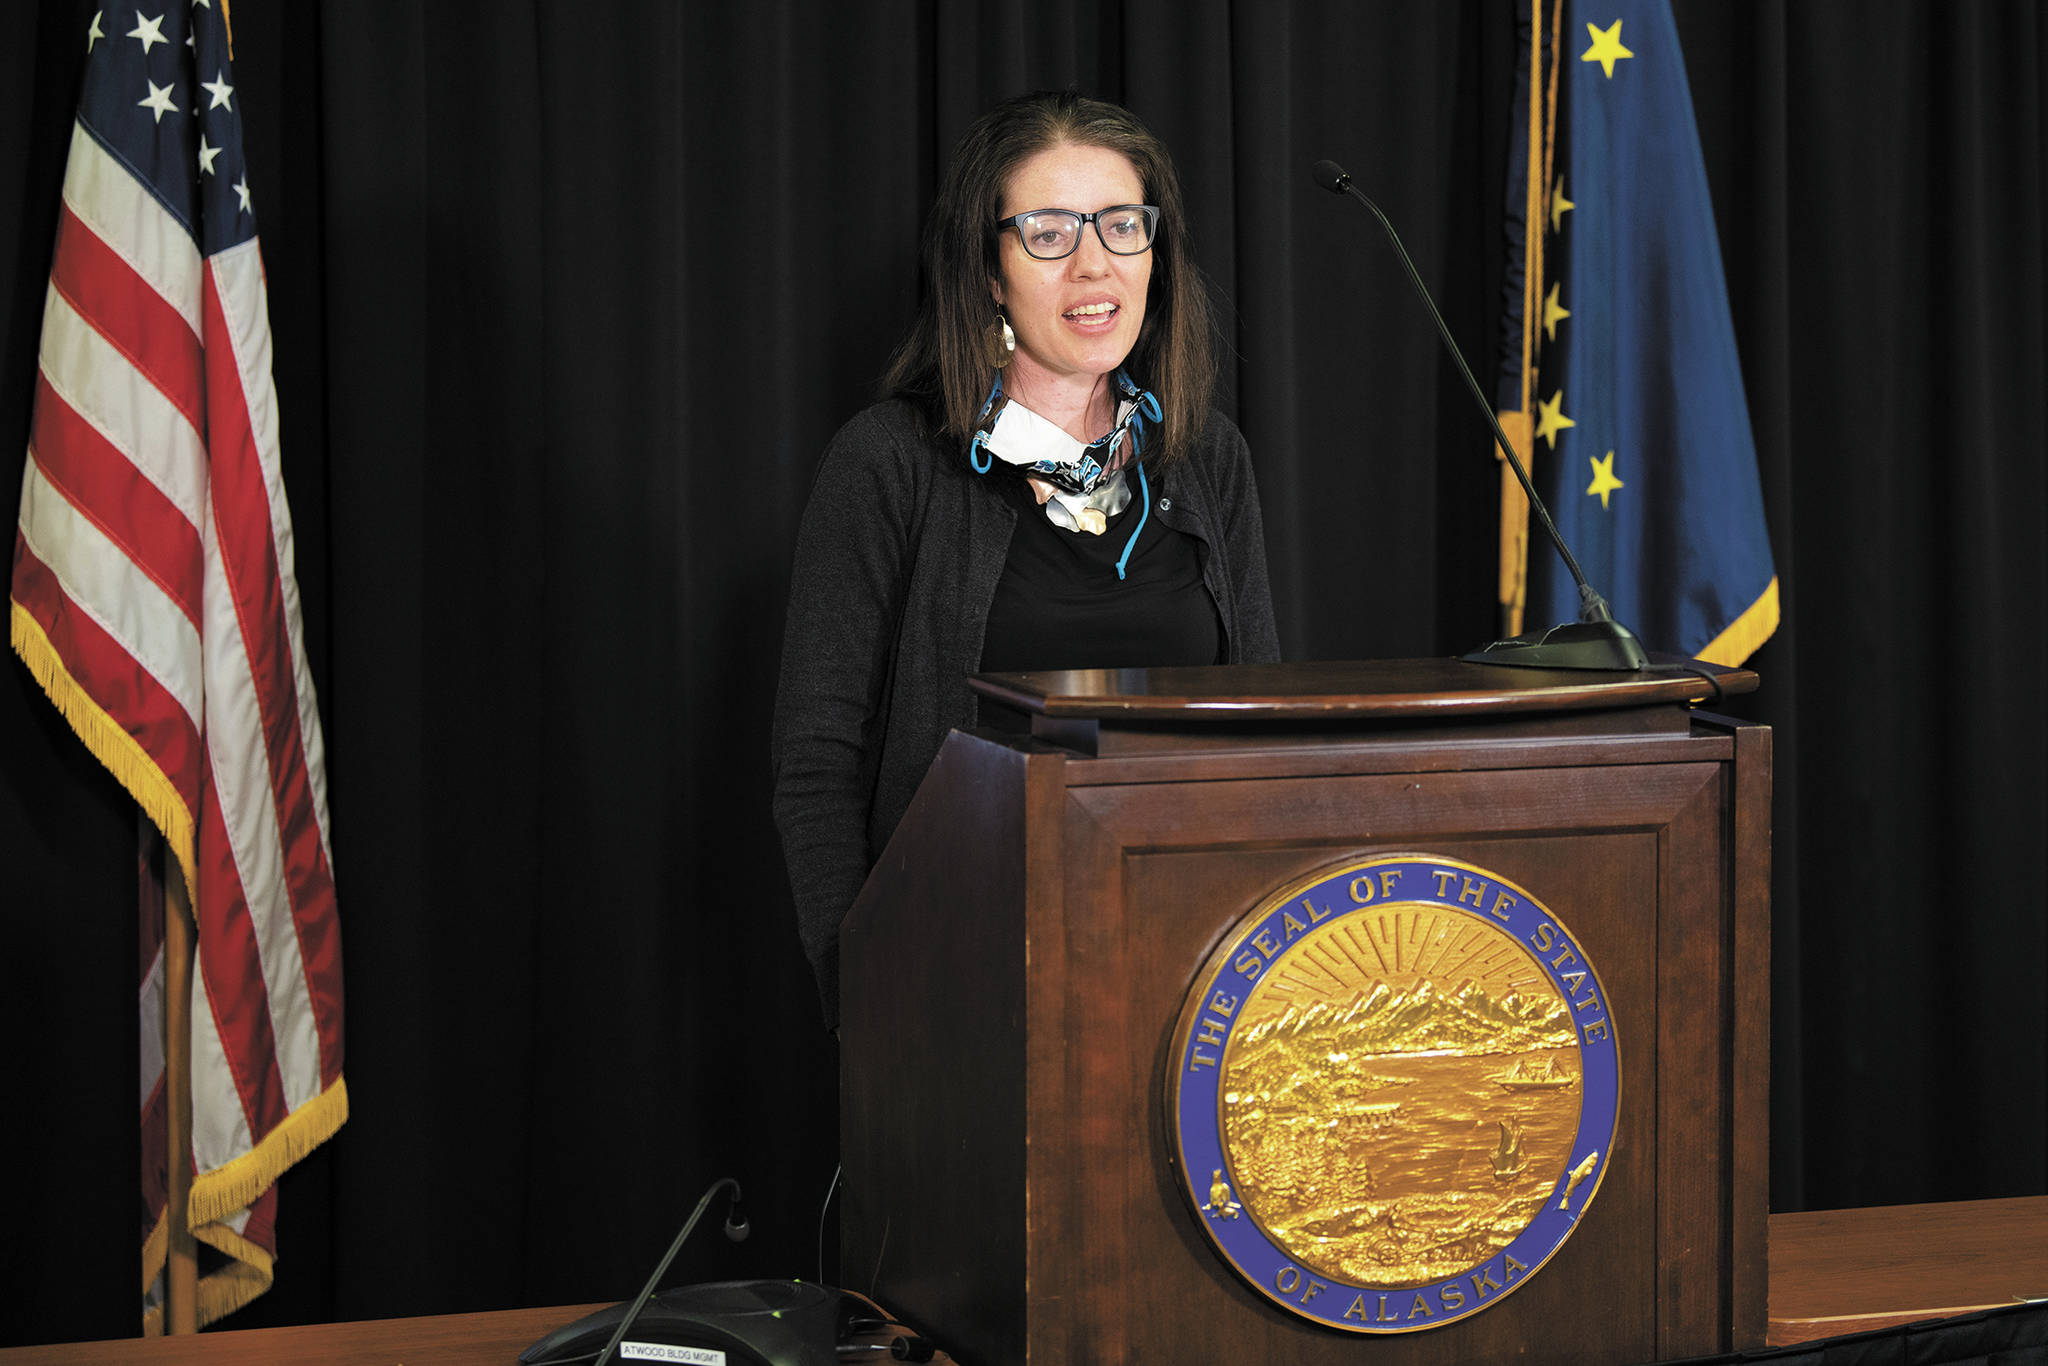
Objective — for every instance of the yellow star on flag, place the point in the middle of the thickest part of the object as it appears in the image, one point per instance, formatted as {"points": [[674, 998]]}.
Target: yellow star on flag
{"points": [[1559, 206], [1553, 311], [1604, 481], [1552, 419], [1606, 49]]}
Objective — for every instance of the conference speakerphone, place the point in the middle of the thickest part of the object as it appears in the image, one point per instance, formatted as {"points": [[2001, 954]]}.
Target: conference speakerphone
{"points": [[736, 1323]]}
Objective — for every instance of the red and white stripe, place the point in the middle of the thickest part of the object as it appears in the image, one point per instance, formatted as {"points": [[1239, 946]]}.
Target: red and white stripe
{"points": [[154, 555]]}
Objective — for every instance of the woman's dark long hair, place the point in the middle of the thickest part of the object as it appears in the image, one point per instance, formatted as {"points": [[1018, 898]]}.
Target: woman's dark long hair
{"points": [[943, 365]]}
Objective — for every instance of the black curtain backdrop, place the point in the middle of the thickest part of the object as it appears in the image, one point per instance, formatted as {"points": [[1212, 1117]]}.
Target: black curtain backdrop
{"points": [[567, 299]]}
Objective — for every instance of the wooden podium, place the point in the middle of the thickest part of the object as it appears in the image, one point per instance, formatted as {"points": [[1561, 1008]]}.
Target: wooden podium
{"points": [[1014, 968]]}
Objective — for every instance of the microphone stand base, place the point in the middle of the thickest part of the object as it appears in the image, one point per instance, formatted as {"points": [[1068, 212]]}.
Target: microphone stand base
{"points": [[1574, 645]]}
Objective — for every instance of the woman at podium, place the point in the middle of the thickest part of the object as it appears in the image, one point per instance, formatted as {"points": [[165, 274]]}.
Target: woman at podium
{"points": [[1045, 486]]}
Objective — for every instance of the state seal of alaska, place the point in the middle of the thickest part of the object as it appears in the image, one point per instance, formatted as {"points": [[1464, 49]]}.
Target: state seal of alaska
{"points": [[1394, 1092]]}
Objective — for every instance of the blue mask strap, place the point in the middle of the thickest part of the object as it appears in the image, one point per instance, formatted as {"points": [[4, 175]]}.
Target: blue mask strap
{"points": [[1148, 408], [979, 457], [1144, 512], [1138, 423]]}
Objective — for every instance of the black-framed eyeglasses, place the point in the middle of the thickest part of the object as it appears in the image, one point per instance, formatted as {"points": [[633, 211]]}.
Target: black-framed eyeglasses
{"points": [[1050, 234]]}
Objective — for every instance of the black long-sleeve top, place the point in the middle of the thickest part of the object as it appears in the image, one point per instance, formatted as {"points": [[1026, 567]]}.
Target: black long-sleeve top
{"points": [[897, 560]]}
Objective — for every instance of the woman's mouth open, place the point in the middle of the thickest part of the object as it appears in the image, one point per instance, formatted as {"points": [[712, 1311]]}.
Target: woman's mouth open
{"points": [[1100, 314]]}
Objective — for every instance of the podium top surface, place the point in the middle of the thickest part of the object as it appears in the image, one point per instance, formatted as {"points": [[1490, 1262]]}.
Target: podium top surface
{"points": [[1377, 689]]}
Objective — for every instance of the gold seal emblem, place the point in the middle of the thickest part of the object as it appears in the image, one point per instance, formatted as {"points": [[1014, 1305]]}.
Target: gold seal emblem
{"points": [[1402, 1074]]}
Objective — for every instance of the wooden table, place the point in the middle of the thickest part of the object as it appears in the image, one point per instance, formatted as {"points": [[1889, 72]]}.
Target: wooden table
{"points": [[1831, 1272], [445, 1340], [1852, 1270], [493, 1339]]}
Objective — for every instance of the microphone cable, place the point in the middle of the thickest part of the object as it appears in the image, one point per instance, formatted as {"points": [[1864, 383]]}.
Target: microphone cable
{"points": [[823, 1210]]}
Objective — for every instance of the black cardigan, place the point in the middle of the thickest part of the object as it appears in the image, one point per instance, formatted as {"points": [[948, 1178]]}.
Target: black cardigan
{"points": [[897, 560]]}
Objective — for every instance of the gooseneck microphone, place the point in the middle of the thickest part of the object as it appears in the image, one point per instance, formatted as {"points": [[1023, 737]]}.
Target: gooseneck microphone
{"points": [[1596, 640], [736, 1228]]}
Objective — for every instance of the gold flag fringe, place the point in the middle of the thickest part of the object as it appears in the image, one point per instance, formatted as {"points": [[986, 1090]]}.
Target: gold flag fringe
{"points": [[109, 742], [1513, 587], [155, 1249], [1747, 633], [235, 1185], [222, 1292], [226, 1191], [223, 1192], [237, 1283]]}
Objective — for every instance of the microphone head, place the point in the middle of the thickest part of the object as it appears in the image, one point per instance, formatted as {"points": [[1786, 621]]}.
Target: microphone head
{"points": [[736, 1217], [1330, 176]]}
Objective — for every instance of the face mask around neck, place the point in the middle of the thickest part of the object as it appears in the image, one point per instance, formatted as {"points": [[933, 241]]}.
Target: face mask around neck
{"points": [[1085, 480]]}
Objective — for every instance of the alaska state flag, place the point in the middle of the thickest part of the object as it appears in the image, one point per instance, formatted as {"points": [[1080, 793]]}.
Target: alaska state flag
{"points": [[1642, 438]]}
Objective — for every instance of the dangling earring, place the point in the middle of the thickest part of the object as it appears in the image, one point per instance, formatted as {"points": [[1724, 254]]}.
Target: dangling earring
{"points": [[1002, 342]]}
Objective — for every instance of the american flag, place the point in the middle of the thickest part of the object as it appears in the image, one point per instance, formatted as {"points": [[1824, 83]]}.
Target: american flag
{"points": [[154, 600]]}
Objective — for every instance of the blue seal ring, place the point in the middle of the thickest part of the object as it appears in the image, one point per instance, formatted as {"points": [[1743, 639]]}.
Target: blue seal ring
{"points": [[1466, 903]]}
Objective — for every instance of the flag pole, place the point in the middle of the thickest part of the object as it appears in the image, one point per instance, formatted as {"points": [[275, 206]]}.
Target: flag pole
{"points": [[1513, 581], [181, 1270]]}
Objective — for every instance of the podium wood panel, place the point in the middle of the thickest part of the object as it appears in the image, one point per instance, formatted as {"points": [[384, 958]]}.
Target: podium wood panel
{"points": [[1019, 957]]}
